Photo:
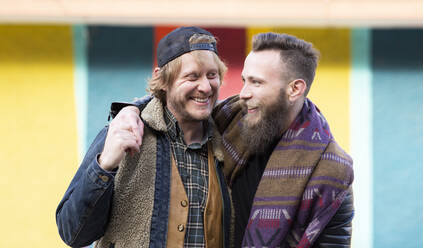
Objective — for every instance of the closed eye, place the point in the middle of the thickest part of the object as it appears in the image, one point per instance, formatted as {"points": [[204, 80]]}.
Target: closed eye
{"points": [[192, 76]]}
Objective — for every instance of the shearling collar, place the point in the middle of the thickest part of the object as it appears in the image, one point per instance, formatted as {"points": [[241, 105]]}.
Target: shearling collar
{"points": [[152, 115]]}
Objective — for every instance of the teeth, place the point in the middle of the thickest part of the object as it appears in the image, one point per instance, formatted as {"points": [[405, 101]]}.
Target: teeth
{"points": [[202, 100]]}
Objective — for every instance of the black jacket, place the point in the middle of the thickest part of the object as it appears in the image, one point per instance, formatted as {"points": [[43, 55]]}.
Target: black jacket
{"points": [[338, 231]]}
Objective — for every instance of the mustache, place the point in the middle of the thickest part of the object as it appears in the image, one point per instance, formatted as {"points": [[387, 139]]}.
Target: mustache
{"points": [[249, 104]]}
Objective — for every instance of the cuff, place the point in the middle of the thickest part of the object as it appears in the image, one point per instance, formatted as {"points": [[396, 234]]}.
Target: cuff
{"points": [[100, 176]]}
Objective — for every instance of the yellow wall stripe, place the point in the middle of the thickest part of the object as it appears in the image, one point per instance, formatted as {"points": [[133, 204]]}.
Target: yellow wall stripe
{"points": [[330, 89], [38, 151]]}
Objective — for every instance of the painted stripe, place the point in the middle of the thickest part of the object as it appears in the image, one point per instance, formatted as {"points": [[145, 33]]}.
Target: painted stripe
{"points": [[38, 148], [397, 137], [361, 137], [120, 61], [231, 49], [159, 33], [81, 84], [251, 31]]}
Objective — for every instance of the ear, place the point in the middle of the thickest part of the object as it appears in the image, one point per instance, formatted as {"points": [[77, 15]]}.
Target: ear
{"points": [[156, 71], [296, 89], [156, 74]]}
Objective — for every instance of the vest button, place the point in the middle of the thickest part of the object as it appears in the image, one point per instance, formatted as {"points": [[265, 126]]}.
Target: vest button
{"points": [[181, 227], [184, 203]]}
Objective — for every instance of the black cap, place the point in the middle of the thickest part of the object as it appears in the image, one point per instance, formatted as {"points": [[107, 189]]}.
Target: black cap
{"points": [[176, 43]]}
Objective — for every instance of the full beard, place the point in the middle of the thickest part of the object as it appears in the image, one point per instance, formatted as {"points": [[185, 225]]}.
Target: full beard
{"points": [[262, 135]]}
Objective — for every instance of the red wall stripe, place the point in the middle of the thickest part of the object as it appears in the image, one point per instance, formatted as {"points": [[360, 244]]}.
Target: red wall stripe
{"points": [[232, 49], [159, 33]]}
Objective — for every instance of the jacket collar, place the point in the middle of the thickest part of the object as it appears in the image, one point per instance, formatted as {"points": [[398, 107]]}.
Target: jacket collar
{"points": [[153, 116]]}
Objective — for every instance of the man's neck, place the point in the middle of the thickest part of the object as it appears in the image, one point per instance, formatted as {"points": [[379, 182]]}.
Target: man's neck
{"points": [[193, 131], [293, 113]]}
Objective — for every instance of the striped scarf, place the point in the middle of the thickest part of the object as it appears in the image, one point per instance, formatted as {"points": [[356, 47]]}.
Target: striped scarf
{"points": [[305, 181]]}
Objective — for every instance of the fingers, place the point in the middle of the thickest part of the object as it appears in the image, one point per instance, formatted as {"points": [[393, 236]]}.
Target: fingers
{"points": [[128, 119], [136, 127], [124, 135], [125, 140], [117, 143], [139, 131]]}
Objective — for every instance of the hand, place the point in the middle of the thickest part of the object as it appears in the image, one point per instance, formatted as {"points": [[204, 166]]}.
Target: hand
{"points": [[124, 135]]}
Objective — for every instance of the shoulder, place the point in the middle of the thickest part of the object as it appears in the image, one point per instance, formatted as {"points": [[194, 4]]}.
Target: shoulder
{"points": [[141, 103]]}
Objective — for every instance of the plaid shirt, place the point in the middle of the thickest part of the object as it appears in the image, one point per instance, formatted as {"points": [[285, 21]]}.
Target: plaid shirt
{"points": [[192, 163]]}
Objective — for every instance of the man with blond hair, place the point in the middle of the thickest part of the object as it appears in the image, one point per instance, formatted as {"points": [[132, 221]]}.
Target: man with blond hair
{"points": [[169, 191]]}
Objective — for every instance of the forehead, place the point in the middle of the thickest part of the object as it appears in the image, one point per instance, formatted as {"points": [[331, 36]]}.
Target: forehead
{"points": [[198, 60], [263, 64]]}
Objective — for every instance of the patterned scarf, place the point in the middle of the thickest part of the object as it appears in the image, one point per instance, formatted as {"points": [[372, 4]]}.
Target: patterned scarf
{"points": [[304, 183]]}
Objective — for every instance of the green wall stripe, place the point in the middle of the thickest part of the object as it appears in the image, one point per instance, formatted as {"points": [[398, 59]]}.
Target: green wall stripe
{"points": [[361, 137], [81, 84], [120, 60]]}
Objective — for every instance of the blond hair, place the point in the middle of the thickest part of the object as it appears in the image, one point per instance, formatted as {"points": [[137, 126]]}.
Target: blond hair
{"points": [[168, 73]]}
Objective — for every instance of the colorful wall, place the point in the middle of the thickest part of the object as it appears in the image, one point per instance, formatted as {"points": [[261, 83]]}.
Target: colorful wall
{"points": [[57, 82]]}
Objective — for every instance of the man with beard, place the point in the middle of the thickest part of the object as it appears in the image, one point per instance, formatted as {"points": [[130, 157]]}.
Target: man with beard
{"points": [[290, 181], [171, 191]]}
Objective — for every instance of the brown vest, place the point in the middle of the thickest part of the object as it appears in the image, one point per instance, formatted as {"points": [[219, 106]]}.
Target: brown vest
{"points": [[179, 204]]}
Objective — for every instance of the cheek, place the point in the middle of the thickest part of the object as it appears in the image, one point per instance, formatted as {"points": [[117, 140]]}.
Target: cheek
{"points": [[215, 85], [186, 88]]}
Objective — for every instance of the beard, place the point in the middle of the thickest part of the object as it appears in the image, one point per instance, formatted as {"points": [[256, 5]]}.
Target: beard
{"points": [[189, 113], [261, 135]]}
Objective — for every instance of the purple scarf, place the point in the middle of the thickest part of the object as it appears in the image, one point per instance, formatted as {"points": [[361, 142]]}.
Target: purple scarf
{"points": [[305, 181]]}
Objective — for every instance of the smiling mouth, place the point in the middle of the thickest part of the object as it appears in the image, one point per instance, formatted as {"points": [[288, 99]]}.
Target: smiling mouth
{"points": [[252, 110], [201, 99]]}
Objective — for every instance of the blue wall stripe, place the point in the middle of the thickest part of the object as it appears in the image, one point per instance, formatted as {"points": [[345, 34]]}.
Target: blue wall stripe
{"points": [[361, 136], [81, 84], [398, 137], [120, 62]]}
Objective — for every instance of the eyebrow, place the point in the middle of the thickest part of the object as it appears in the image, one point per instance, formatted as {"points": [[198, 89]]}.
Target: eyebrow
{"points": [[189, 72], [254, 78]]}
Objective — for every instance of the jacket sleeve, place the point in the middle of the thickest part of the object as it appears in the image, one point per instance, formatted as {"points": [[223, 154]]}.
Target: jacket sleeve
{"points": [[338, 231], [83, 213]]}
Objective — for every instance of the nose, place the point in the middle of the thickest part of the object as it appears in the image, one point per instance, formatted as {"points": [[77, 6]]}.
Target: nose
{"points": [[245, 92], [204, 85]]}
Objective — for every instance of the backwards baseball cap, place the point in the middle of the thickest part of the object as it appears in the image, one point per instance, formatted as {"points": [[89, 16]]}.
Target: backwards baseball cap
{"points": [[176, 43]]}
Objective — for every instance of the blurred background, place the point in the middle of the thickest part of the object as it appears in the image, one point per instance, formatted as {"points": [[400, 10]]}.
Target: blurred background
{"points": [[63, 62]]}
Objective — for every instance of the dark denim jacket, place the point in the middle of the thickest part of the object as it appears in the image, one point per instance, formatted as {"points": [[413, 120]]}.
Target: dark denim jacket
{"points": [[82, 214]]}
